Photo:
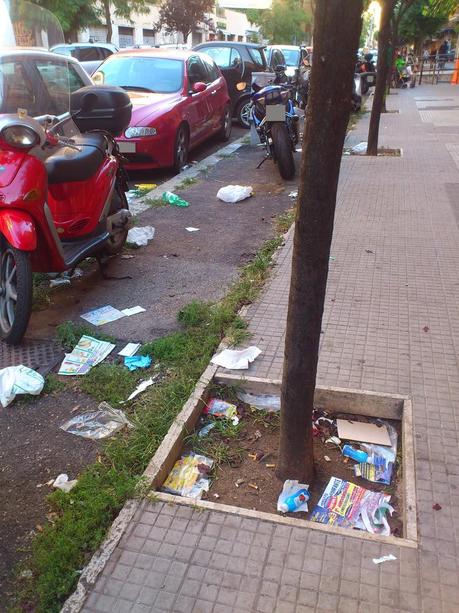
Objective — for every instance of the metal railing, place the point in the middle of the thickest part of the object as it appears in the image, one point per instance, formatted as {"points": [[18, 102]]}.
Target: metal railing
{"points": [[435, 69]]}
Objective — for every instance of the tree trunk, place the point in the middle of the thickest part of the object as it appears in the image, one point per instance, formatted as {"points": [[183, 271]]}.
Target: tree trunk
{"points": [[108, 19], [387, 7], [337, 24]]}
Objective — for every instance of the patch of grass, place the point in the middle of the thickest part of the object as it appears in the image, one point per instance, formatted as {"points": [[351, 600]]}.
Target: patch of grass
{"points": [[69, 333], [141, 190], [154, 203], [110, 382], [85, 514], [227, 156], [285, 220], [187, 182], [53, 384]]}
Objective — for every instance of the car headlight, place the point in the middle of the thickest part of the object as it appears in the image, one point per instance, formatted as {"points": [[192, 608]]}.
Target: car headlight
{"points": [[135, 132], [19, 136]]}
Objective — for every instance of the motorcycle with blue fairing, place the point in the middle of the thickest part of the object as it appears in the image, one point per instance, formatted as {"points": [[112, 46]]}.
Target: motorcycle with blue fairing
{"points": [[275, 120]]}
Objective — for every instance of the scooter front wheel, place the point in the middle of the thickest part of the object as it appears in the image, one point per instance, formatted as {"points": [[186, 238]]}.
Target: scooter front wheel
{"points": [[15, 293]]}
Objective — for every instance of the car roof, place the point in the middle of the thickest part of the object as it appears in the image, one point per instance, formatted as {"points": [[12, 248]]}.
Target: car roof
{"points": [[35, 52], [283, 47], [229, 43], [83, 45], [173, 54]]}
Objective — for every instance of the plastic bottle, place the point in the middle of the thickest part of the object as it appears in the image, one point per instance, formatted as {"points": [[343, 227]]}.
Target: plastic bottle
{"points": [[355, 454], [171, 198], [294, 501]]}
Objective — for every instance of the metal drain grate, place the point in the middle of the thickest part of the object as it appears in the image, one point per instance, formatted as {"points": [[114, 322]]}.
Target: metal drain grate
{"points": [[41, 355]]}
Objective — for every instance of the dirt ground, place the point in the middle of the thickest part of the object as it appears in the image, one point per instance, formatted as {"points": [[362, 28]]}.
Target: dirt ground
{"points": [[248, 480], [174, 269], [34, 450]]}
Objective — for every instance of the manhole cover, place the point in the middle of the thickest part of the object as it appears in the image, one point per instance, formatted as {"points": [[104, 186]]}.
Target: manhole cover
{"points": [[41, 355]]}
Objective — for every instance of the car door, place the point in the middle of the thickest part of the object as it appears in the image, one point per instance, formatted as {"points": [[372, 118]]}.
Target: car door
{"points": [[198, 103], [218, 98]]}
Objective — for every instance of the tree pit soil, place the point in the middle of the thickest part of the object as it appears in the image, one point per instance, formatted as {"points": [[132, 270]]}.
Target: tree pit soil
{"points": [[250, 483]]}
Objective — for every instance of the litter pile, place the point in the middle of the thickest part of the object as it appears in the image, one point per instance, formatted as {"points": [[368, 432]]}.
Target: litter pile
{"points": [[365, 446]]}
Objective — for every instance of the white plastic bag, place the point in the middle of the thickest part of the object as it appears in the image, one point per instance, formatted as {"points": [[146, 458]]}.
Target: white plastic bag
{"points": [[234, 193], [19, 380], [359, 149], [140, 236], [62, 482], [236, 359], [102, 423]]}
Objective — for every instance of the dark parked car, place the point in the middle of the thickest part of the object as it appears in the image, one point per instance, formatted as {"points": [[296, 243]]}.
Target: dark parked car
{"points": [[90, 55], [237, 61]]}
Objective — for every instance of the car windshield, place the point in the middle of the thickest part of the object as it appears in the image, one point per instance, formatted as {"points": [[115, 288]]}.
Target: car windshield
{"points": [[292, 56], [154, 74]]}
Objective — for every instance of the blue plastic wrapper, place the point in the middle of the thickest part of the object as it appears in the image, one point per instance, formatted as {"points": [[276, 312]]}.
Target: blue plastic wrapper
{"points": [[137, 361]]}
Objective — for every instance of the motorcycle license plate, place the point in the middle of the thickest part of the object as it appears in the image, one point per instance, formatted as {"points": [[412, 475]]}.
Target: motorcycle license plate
{"points": [[126, 147], [275, 112]]}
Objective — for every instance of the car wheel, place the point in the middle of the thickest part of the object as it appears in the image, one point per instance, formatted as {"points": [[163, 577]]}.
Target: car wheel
{"points": [[226, 126], [243, 113], [181, 147]]}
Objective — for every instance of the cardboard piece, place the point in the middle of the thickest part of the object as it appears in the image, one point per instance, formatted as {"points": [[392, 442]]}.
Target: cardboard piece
{"points": [[363, 432]]}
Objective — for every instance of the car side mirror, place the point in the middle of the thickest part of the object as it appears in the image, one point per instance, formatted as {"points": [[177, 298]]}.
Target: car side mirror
{"points": [[198, 87]]}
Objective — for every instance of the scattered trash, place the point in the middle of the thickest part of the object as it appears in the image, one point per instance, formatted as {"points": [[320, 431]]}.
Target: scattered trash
{"points": [[262, 402], [61, 482], [127, 256], [88, 353], [426, 328], [145, 186], [257, 434], [270, 465], [134, 362], [334, 440], [359, 149], [332, 258], [254, 486], [59, 281], [103, 315], [206, 429], [141, 387], [436, 507], [235, 359], [191, 229], [363, 431], [351, 506], [19, 380], [379, 466], [174, 200], [140, 236], [293, 498], [368, 251], [387, 558], [133, 311], [327, 458], [130, 349], [239, 482], [221, 408], [234, 193], [188, 476], [355, 454], [293, 194], [99, 424], [26, 574]]}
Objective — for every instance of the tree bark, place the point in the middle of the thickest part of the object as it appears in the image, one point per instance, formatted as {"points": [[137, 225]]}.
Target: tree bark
{"points": [[387, 7], [337, 24], [108, 19]]}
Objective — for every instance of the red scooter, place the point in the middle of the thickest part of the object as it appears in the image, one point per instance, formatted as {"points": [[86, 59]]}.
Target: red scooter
{"points": [[62, 189]]}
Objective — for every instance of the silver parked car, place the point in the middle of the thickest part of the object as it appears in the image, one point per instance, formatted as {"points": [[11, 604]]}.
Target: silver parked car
{"points": [[90, 55]]}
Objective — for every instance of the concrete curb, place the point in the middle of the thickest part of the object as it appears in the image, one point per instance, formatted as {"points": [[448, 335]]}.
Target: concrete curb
{"points": [[138, 205]]}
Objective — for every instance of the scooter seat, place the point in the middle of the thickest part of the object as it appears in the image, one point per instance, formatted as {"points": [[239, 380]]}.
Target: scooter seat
{"points": [[77, 162]]}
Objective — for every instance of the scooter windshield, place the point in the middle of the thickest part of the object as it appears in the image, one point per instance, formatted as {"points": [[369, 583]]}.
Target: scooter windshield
{"points": [[33, 81]]}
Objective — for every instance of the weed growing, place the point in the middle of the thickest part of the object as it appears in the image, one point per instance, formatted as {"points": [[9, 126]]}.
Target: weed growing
{"points": [[155, 203], [85, 514], [40, 285], [69, 333], [187, 182]]}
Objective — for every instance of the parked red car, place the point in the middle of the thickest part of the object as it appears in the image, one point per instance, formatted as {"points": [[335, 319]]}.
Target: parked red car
{"points": [[179, 99]]}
